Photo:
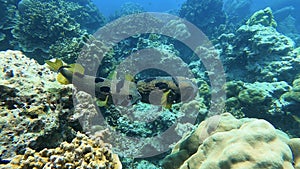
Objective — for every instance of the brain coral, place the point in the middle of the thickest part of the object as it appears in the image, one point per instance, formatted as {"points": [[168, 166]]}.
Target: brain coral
{"points": [[82, 152], [226, 142]]}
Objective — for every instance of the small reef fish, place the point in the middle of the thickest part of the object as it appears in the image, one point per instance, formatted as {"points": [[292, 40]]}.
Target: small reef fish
{"points": [[167, 90], [107, 92]]}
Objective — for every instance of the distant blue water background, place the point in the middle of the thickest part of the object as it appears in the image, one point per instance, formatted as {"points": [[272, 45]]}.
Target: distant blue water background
{"points": [[109, 7]]}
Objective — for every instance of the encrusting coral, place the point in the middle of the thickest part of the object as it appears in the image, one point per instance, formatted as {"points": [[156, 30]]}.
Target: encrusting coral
{"points": [[82, 152], [33, 106]]}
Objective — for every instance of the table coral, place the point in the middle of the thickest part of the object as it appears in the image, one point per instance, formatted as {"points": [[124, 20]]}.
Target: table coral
{"points": [[237, 144], [82, 152]]}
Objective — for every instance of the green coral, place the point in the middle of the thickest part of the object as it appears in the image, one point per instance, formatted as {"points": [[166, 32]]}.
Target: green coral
{"points": [[233, 88], [51, 29], [294, 93], [252, 96], [264, 17], [43, 24], [9, 16], [68, 49]]}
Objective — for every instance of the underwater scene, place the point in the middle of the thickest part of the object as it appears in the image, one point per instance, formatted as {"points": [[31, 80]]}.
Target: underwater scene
{"points": [[147, 84]]}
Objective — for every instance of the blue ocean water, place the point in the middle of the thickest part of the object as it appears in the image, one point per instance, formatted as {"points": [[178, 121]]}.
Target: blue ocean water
{"points": [[109, 7]]}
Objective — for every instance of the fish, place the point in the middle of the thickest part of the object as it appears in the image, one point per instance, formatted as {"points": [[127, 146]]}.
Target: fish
{"points": [[166, 90], [108, 92], [161, 90], [5, 161]]}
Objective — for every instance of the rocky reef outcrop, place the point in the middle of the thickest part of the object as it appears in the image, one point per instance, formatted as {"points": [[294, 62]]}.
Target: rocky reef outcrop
{"points": [[257, 52], [33, 107]]}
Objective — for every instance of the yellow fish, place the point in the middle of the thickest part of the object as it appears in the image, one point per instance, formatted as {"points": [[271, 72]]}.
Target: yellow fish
{"points": [[117, 92]]}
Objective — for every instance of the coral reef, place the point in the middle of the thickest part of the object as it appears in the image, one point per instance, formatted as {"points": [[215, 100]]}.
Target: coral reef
{"points": [[257, 52], [225, 142], [264, 17], [82, 152], [294, 93], [270, 101], [291, 100], [9, 17], [34, 107], [127, 8], [43, 28], [87, 15], [206, 15]]}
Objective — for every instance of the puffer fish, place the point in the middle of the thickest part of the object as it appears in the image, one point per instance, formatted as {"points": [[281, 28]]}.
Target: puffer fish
{"points": [[107, 92], [167, 91]]}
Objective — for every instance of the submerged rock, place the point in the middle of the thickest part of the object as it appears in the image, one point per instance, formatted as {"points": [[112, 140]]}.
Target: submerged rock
{"points": [[33, 107]]}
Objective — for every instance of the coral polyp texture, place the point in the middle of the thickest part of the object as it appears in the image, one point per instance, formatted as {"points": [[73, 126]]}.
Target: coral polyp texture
{"points": [[82, 152], [226, 142], [33, 106]]}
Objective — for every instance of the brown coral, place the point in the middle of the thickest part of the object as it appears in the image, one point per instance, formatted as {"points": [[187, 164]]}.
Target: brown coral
{"points": [[82, 152]]}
